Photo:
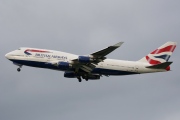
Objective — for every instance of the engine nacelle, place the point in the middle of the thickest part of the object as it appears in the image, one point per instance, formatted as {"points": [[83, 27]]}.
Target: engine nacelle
{"points": [[64, 65], [84, 59], [93, 77], [73, 75], [70, 75]]}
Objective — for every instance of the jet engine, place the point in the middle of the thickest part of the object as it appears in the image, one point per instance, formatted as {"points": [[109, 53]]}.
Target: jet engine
{"points": [[87, 77], [84, 59], [93, 77], [70, 75], [64, 65]]}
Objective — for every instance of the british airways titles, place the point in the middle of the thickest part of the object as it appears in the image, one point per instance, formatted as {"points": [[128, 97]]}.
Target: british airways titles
{"points": [[50, 56]]}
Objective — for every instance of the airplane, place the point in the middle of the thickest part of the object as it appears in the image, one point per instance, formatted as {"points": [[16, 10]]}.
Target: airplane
{"points": [[95, 65]]}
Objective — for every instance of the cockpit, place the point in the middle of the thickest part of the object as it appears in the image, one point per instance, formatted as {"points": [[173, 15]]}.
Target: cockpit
{"points": [[14, 53]]}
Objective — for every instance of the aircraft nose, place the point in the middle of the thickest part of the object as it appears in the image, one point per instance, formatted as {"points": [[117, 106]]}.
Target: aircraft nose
{"points": [[10, 55], [6, 55]]}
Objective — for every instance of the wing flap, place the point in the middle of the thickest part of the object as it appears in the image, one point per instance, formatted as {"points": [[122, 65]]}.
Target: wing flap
{"points": [[86, 68]]}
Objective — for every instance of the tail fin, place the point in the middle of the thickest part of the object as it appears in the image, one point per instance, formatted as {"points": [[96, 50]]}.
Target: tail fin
{"points": [[160, 55]]}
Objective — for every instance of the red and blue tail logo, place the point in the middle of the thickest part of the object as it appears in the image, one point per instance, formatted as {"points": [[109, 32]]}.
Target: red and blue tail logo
{"points": [[28, 51], [161, 54]]}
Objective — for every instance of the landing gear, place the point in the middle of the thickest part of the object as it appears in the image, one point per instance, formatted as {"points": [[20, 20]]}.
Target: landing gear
{"points": [[19, 69], [85, 77], [19, 66], [79, 79]]}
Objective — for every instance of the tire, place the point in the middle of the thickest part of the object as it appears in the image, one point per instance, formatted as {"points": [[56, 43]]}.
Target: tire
{"points": [[18, 69]]}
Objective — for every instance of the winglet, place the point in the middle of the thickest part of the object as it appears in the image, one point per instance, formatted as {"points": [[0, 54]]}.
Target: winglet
{"points": [[118, 44], [102, 53]]}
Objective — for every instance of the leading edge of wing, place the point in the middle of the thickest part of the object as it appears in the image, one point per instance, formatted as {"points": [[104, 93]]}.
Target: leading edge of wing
{"points": [[118, 44], [106, 51]]}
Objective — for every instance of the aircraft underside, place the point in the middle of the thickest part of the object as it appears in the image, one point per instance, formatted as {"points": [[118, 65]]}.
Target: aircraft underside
{"points": [[100, 71]]}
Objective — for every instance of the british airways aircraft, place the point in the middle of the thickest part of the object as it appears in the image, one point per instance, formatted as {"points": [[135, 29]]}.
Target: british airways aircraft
{"points": [[95, 65]]}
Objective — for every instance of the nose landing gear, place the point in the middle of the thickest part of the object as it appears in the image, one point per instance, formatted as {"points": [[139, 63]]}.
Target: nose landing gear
{"points": [[19, 65], [19, 69]]}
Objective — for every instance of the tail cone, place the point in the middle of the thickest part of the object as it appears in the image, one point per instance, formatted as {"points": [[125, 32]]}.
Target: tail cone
{"points": [[168, 68]]}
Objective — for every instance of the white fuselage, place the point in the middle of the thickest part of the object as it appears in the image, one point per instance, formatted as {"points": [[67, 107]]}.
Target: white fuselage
{"points": [[43, 59]]}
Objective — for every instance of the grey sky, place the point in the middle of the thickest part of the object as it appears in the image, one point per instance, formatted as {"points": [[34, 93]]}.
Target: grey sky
{"points": [[82, 27]]}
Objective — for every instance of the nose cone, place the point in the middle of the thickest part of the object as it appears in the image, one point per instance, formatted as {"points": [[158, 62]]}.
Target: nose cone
{"points": [[7, 56]]}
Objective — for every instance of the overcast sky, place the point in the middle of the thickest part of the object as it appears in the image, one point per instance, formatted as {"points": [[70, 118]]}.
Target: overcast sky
{"points": [[83, 27]]}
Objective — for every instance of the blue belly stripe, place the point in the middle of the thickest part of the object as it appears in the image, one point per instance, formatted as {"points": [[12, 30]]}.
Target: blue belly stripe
{"points": [[101, 71]]}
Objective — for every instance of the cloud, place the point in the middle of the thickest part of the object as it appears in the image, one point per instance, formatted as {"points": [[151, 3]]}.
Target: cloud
{"points": [[82, 27]]}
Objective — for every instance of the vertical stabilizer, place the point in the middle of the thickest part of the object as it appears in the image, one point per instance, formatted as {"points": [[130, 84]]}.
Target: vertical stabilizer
{"points": [[160, 55]]}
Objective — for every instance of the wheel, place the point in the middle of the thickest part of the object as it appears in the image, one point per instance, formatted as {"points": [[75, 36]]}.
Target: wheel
{"points": [[79, 79], [86, 79], [18, 69]]}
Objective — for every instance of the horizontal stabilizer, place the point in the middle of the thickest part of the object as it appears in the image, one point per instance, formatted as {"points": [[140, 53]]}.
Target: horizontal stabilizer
{"points": [[160, 66]]}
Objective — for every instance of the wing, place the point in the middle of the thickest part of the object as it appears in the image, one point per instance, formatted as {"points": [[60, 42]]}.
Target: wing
{"points": [[95, 57], [102, 53]]}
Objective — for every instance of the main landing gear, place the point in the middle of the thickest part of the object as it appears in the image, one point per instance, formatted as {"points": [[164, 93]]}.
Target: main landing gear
{"points": [[80, 80]]}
